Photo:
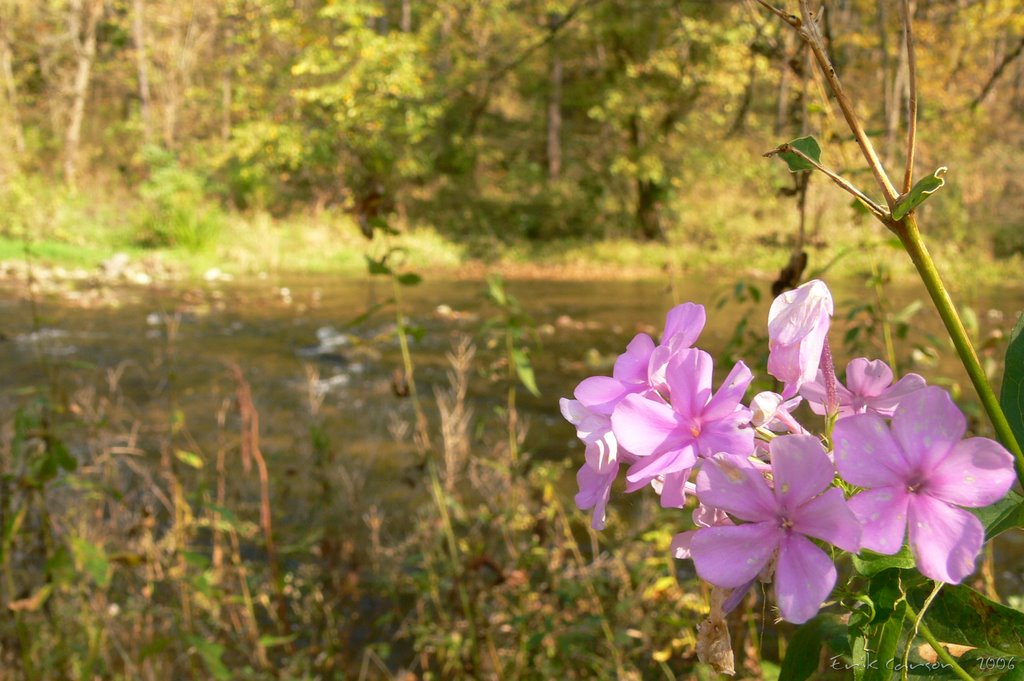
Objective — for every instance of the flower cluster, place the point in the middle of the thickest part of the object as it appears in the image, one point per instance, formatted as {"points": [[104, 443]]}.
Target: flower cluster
{"points": [[770, 494]]}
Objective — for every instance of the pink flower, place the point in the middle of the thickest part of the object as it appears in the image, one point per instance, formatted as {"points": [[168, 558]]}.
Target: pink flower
{"points": [[918, 475], [597, 396], [798, 323], [869, 389], [780, 520], [667, 438], [774, 413]]}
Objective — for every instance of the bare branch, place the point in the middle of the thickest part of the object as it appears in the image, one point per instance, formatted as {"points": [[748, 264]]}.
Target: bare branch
{"points": [[1007, 60], [812, 36], [790, 19], [907, 15], [842, 183]]}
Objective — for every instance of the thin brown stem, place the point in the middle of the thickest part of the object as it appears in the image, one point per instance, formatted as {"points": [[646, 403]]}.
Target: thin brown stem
{"points": [[907, 14], [810, 33], [790, 19], [842, 183]]}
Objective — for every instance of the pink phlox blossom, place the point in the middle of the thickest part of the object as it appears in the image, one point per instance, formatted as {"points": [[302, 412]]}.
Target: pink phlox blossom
{"points": [[668, 437], [775, 413], [869, 389], [798, 323], [780, 521], [597, 396], [917, 474]]}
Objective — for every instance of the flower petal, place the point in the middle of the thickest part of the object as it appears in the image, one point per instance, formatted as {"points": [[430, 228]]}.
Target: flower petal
{"points": [[978, 472], [683, 324], [680, 546], [800, 467], [731, 555], [645, 426], [727, 483], [729, 394], [595, 490], [672, 461], [882, 513], [804, 577], [572, 410], [631, 366], [928, 425], [868, 378], [946, 540], [673, 491], [829, 518], [729, 435], [688, 376], [886, 403], [866, 453], [600, 394], [794, 313], [602, 449], [815, 394]]}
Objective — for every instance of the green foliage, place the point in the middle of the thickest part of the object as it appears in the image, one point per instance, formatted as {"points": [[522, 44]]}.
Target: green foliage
{"points": [[175, 208], [1011, 395], [803, 652]]}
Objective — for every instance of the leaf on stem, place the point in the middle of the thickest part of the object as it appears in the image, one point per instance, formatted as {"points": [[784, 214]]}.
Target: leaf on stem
{"points": [[918, 193], [1011, 395], [808, 146]]}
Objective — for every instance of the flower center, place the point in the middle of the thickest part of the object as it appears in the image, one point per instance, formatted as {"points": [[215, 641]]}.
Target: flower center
{"points": [[785, 523], [914, 484], [695, 430]]}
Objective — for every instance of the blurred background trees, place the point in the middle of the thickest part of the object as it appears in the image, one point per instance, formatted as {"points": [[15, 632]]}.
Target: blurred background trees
{"points": [[496, 120]]}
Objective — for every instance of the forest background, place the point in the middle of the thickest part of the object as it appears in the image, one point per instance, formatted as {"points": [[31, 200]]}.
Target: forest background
{"points": [[553, 131]]}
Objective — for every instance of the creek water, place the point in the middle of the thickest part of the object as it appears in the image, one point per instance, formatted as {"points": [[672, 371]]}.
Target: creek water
{"points": [[169, 349]]}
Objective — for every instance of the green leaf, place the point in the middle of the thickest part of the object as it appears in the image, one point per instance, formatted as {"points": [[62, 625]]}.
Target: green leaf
{"points": [[416, 332], [883, 644], [62, 456], [869, 563], [1003, 515], [272, 641], [804, 650], [10, 530], [409, 279], [93, 559], [525, 371], [211, 652], [1011, 395], [496, 289], [189, 458], [918, 193], [806, 145], [375, 267], [963, 616]]}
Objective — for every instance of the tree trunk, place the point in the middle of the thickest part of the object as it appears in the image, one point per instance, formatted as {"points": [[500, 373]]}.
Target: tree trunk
{"points": [[85, 48], [10, 85], [142, 67], [406, 23], [785, 80], [554, 147]]}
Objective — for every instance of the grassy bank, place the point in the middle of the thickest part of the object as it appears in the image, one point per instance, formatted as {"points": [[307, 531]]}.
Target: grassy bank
{"points": [[736, 226]]}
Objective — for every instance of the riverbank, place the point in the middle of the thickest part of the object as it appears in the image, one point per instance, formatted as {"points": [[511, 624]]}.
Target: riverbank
{"points": [[260, 246]]}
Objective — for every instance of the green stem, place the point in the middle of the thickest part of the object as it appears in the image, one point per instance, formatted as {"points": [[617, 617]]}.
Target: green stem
{"points": [[910, 235], [403, 342], [513, 445], [890, 347], [939, 649]]}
